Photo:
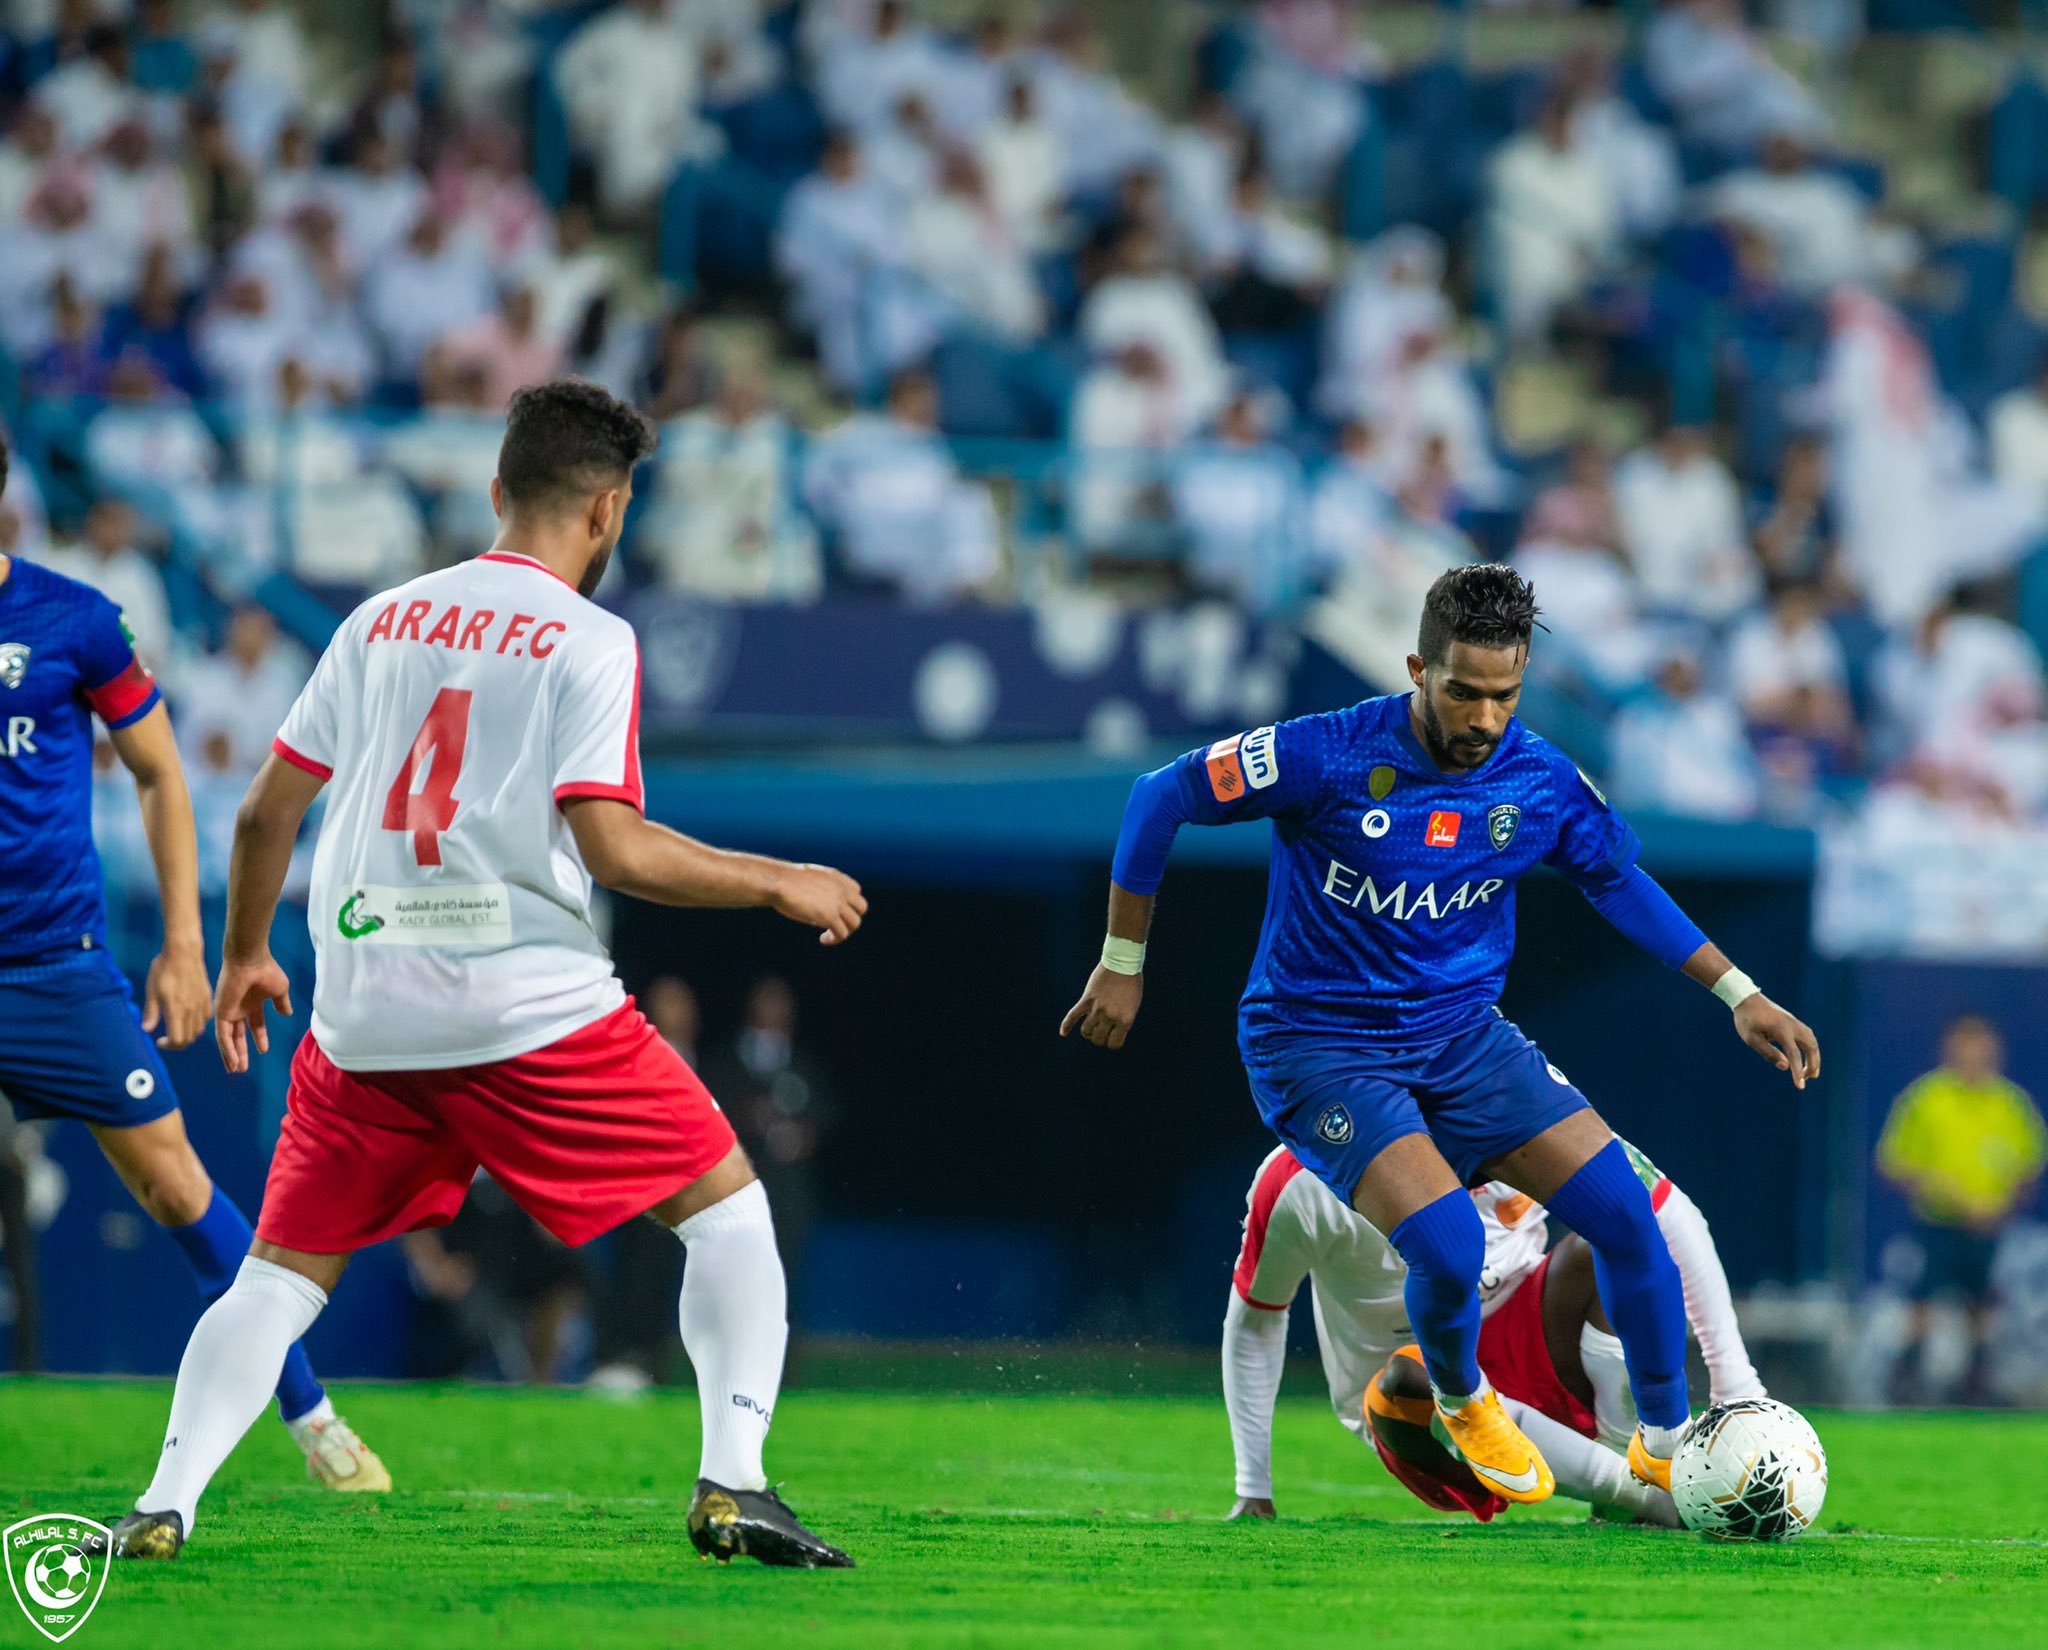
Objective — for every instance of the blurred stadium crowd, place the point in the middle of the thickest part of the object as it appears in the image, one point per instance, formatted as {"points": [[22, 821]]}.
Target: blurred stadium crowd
{"points": [[935, 307]]}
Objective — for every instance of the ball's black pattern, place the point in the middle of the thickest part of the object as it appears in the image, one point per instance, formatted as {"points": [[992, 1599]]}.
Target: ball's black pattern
{"points": [[1759, 1505]]}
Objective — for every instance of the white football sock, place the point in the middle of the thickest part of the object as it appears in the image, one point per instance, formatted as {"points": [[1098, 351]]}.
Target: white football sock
{"points": [[1590, 1472], [226, 1378], [1455, 1401], [322, 1411], [1614, 1407], [735, 1322]]}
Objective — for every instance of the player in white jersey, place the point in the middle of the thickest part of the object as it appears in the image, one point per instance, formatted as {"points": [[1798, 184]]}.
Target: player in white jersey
{"points": [[477, 733], [1544, 1342]]}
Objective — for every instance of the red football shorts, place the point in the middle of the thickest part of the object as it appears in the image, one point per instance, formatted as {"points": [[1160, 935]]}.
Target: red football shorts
{"points": [[1516, 1357], [585, 1133]]}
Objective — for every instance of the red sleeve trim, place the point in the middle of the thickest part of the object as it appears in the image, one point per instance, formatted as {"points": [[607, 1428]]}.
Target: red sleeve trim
{"points": [[1659, 1192], [126, 697], [604, 793], [633, 779], [632, 786], [319, 770], [1279, 1169]]}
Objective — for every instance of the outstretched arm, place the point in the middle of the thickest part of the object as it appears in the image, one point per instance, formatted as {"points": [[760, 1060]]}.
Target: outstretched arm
{"points": [[1262, 774], [178, 994], [1779, 1035], [266, 826], [1639, 908], [1709, 1306], [1254, 1358], [632, 855], [1152, 818]]}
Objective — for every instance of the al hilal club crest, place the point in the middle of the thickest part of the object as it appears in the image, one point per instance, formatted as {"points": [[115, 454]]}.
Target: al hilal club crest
{"points": [[56, 1580], [1501, 823], [13, 662]]}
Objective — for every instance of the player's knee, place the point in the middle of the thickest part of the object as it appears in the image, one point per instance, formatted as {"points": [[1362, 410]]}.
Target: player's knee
{"points": [[173, 1188], [1607, 1204], [1633, 1236], [1444, 1245]]}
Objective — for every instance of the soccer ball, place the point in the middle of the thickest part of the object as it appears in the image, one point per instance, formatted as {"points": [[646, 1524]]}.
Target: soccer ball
{"points": [[63, 1573], [1752, 1470]]}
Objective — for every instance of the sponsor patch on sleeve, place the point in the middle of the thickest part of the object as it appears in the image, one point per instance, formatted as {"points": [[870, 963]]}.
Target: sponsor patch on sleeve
{"points": [[1259, 755], [1226, 770]]}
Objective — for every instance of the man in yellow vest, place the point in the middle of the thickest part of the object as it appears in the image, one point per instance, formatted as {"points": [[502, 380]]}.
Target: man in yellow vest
{"points": [[1966, 1145]]}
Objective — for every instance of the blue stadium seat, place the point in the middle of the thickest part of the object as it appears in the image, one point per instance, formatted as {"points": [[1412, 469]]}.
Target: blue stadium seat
{"points": [[1284, 361], [2018, 143], [779, 132], [991, 389], [1221, 55]]}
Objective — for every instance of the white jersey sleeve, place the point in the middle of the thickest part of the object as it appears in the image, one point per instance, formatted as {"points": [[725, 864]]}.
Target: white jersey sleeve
{"points": [[1282, 1236], [1295, 1226], [311, 733], [596, 726]]}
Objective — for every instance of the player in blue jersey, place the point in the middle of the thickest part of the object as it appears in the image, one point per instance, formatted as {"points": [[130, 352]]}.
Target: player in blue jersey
{"points": [[1368, 1026], [71, 1043]]}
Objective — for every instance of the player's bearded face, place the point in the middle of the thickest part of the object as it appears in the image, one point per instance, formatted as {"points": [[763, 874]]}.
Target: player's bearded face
{"points": [[1467, 704], [1449, 750]]}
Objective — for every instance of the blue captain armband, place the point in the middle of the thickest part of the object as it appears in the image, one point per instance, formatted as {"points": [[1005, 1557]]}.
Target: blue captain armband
{"points": [[1152, 818]]}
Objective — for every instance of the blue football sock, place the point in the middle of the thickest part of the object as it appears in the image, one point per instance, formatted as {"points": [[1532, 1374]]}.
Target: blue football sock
{"points": [[1608, 1206], [1444, 1245], [214, 1246]]}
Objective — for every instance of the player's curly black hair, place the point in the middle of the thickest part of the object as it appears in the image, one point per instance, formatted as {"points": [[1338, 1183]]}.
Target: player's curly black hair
{"points": [[567, 439], [1487, 604]]}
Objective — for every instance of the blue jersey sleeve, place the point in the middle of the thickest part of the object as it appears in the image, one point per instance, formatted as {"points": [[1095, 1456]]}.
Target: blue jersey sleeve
{"points": [[1595, 845], [115, 683], [1597, 850], [1258, 775]]}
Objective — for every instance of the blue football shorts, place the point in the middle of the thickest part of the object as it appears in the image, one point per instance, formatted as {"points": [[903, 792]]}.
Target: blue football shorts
{"points": [[72, 1045], [1338, 1104]]}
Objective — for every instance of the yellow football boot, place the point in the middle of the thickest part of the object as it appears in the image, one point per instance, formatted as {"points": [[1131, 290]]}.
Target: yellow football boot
{"points": [[1494, 1448], [1654, 1470], [337, 1458]]}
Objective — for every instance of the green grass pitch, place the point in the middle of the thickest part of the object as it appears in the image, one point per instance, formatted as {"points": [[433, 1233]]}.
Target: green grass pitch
{"points": [[555, 1520]]}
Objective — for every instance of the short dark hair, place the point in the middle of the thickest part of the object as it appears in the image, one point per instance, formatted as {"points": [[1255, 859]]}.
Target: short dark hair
{"points": [[3, 464], [567, 439], [1487, 604]]}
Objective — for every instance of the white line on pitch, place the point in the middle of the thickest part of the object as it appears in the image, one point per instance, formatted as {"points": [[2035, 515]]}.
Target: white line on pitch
{"points": [[559, 1496]]}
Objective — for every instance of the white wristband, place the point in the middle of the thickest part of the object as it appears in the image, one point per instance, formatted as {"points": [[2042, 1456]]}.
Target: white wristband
{"points": [[1123, 956], [1735, 987]]}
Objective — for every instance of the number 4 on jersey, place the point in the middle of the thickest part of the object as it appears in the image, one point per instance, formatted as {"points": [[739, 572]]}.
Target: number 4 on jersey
{"points": [[438, 747]]}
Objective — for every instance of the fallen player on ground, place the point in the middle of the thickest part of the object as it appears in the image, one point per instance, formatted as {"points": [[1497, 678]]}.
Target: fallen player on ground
{"points": [[1544, 1342]]}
